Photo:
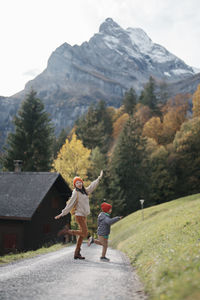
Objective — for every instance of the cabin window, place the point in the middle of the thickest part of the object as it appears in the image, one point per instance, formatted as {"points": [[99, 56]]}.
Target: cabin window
{"points": [[55, 202], [10, 241], [47, 228]]}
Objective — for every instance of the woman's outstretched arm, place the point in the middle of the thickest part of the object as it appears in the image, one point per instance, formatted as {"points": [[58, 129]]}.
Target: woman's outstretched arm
{"points": [[70, 204], [94, 184]]}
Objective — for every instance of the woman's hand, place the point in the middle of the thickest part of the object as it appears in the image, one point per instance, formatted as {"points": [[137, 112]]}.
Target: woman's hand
{"points": [[58, 216], [101, 174]]}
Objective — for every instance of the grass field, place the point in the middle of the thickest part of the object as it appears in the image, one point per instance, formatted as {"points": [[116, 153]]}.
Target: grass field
{"points": [[13, 257], [164, 248]]}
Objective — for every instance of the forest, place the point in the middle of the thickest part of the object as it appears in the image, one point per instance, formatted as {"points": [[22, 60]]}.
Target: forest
{"points": [[149, 148]]}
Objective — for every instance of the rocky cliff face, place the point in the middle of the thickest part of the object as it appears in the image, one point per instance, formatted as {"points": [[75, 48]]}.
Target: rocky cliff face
{"points": [[187, 85], [113, 61]]}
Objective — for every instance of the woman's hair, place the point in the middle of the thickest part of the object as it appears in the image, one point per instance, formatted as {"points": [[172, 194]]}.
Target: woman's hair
{"points": [[83, 190]]}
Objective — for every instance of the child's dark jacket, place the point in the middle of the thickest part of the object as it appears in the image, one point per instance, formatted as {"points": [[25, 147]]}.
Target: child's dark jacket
{"points": [[104, 223]]}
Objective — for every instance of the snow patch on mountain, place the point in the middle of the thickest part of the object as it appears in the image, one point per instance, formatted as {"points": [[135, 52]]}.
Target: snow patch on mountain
{"points": [[179, 71], [139, 38], [196, 70], [167, 74]]}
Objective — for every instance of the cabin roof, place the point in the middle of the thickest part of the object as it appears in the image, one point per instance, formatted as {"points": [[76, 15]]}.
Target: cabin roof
{"points": [[22, 192]]}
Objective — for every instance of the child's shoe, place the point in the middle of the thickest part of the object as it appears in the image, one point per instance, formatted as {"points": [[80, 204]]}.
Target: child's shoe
{"points": [[90, 241], [103, 258]]}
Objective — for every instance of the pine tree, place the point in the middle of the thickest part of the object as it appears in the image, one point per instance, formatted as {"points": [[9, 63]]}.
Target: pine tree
{"points": [[95, 128], [148, 96], [162, 92], [127, 171], [130, 101], [60, 140], [162, 179], [33, 137], [98, 163], [187, 149]]}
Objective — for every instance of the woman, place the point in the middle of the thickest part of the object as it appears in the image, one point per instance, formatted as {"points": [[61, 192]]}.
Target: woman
{"points": [[80, 201]]}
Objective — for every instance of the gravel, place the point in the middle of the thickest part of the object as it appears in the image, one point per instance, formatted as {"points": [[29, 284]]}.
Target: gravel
{"points": [[58, 276]]}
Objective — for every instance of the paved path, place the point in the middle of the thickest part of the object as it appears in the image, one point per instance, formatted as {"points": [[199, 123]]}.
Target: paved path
{"points": [[57, 276]]}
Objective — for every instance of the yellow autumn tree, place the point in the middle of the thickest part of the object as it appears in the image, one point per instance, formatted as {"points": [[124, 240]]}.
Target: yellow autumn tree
{"points": [[153, 129], [72, 160], [196, 102]]}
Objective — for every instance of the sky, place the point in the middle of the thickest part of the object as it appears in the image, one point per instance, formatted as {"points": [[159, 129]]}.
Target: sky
{"points": [[30, 30]]}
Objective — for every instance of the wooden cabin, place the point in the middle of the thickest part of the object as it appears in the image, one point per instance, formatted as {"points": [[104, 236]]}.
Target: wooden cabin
{"points": [[28, 203]]}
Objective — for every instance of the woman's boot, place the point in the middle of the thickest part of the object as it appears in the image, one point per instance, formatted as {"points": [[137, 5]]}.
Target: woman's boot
{"points": [[77, 254]]}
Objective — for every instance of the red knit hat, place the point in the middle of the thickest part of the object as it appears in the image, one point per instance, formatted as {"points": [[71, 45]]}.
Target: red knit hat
{"points": [[77, 179], [106, 207]]}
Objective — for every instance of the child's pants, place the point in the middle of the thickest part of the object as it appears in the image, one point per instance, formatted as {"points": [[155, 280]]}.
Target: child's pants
{"points": [[103, 242], [82, 232]]}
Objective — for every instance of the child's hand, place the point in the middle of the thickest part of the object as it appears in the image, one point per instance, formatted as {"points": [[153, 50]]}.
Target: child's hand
{"points": [[58, 217], [121, 217]]}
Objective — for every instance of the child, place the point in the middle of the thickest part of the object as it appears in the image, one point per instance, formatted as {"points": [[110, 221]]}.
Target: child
{"points": [[103, 230], [80, 201]]}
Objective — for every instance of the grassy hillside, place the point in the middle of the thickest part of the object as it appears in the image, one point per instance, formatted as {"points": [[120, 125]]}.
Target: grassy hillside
{"points": [[164, 247]]}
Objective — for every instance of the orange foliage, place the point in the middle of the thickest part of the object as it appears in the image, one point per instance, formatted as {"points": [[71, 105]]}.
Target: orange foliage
{"points": [[143, 113], [119, 125], [175, 113], [178, 102]]}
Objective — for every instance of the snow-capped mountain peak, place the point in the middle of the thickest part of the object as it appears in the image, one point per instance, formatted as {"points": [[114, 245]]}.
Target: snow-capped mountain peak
{"points": [[109, 27], [135, 43]]}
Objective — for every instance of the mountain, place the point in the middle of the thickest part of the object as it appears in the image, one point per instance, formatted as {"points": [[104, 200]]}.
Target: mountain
{"points": [[184, 86], [110, 63]]}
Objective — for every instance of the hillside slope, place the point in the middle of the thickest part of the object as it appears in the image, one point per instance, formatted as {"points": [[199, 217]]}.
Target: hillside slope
{"points": [[164, 247]]}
